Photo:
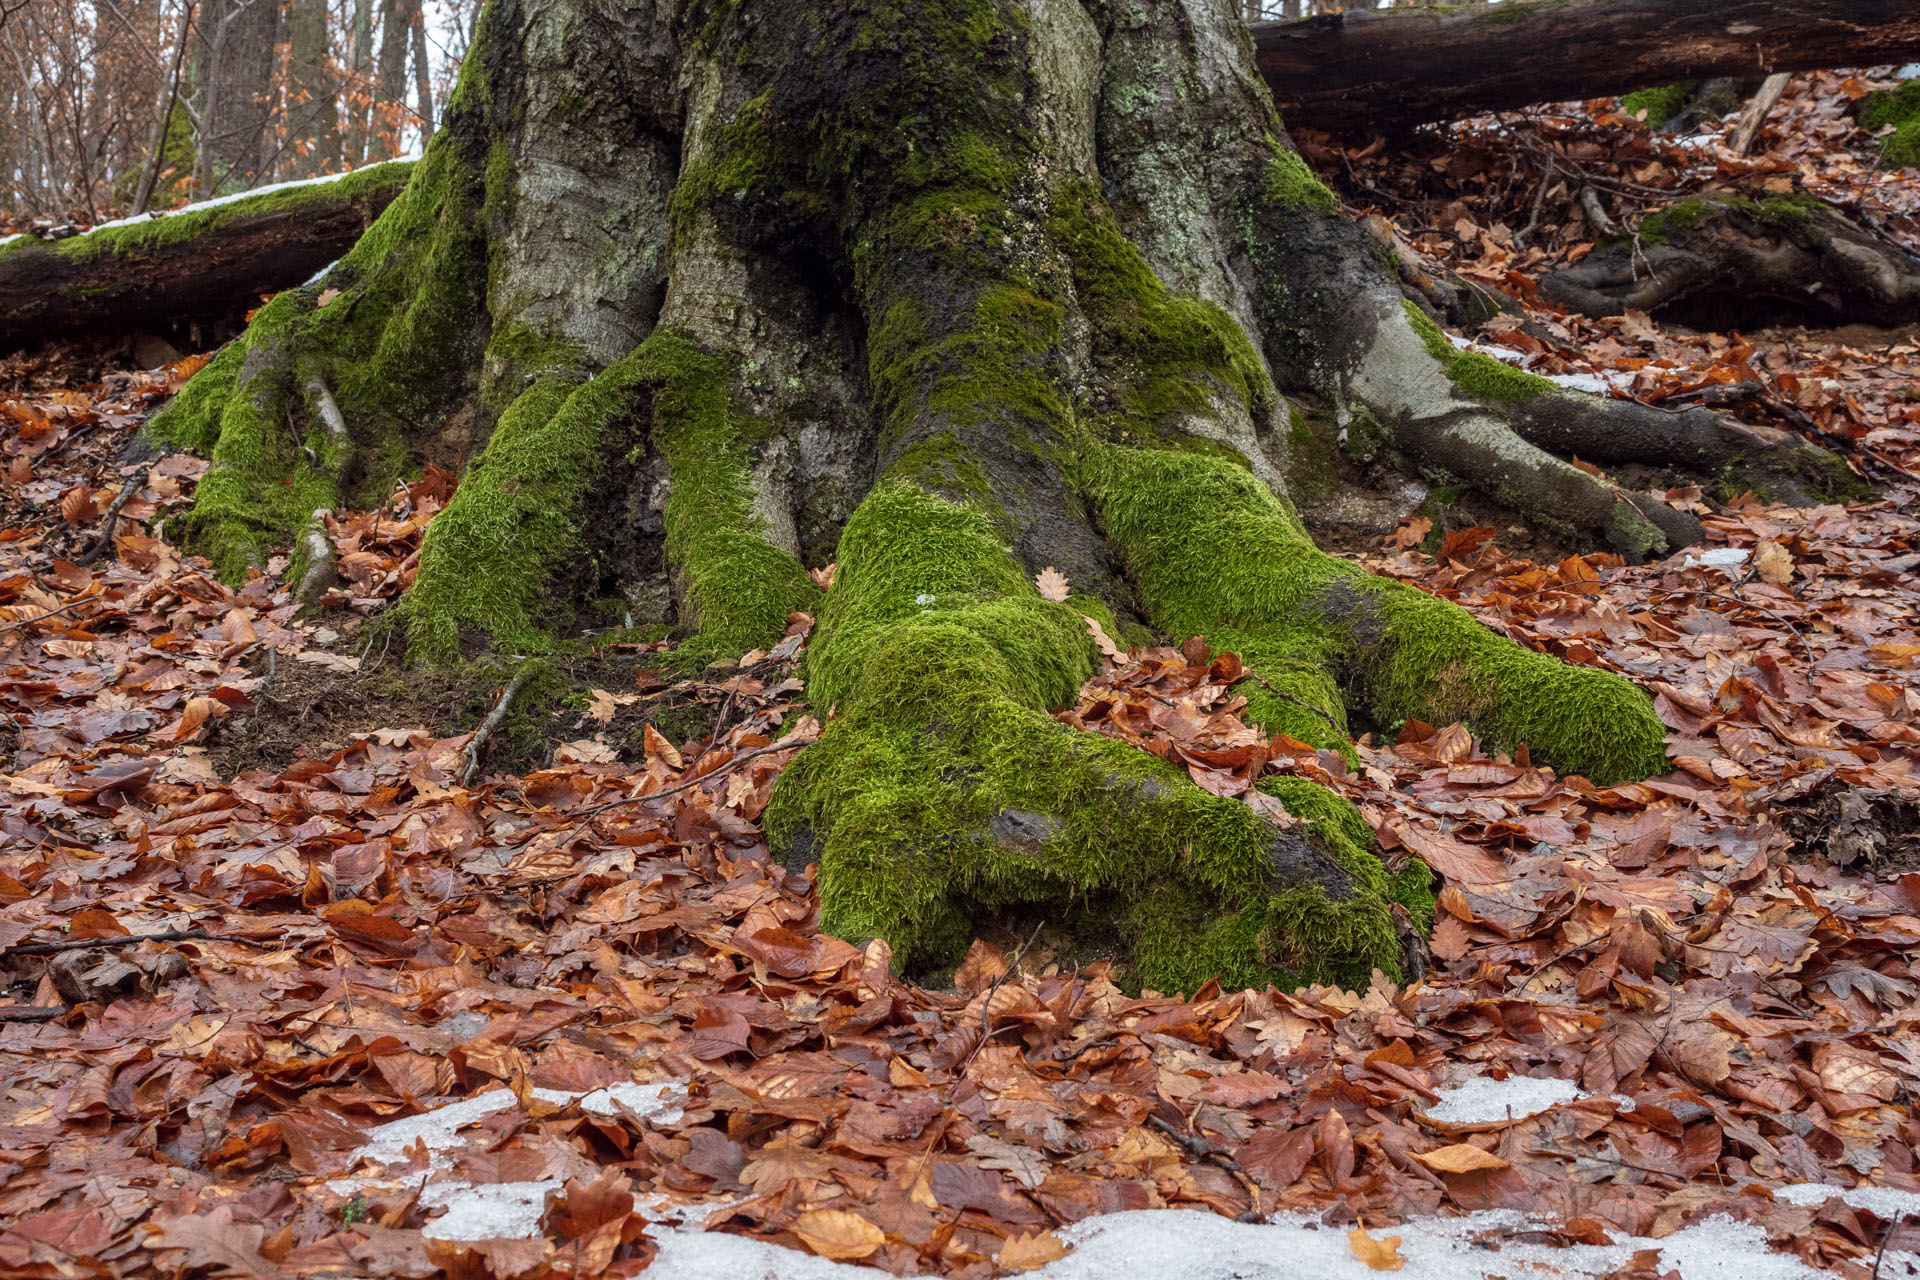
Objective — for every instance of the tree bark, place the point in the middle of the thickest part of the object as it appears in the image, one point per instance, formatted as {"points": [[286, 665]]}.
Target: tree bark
{"points": [[163, 272], [947, 293], [1393, 68], [313, 112]]}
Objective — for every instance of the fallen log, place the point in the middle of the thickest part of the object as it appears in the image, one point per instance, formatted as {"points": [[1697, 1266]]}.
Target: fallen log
{"points": [[162, 272], [1720, 262], [1386, 69]]}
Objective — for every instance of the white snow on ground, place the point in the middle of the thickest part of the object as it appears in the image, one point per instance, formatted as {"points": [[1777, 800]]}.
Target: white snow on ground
{"points": [[1484, 1100], [216, 201], [1883, 1202], [1168, 1244], [501, 1210], [1720, 557], [1185, 1244]]}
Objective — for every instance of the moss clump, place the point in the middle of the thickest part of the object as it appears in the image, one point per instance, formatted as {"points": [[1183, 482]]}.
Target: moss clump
{"points": [[1291, 183], [1658, 105], [266, 477], [1477, 374], [1211, 551], [737, 587], [1898, 109], [942, 788], [1180, 353], [514, 523]]}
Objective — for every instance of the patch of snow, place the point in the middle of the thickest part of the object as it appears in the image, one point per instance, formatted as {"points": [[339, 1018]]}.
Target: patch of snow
{"points": [[321, 274], [1600, 383], [18, 235], [1185, 1244], [1883, 1202], [490, 1211], [498, 1210], [217, 201], [1484, 1100], [1719, 557]]}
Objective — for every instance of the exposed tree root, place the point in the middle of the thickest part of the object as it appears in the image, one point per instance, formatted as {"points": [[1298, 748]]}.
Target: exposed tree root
{"points": [[950, 293], [1740, 263]]}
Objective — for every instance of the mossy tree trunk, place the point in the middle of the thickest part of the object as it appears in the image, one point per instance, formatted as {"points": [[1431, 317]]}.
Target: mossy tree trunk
{"points": [[948, 291]]}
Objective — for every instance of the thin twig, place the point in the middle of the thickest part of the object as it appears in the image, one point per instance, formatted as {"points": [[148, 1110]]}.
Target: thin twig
{"points": [[128, 488], [27, 622], [986, 1001], [33, 1012], [494, 719], [1887, 1235], [1287, 697]]}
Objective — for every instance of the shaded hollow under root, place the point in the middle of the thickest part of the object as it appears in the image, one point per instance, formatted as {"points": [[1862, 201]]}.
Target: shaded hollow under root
{"points": [[947, 291]]}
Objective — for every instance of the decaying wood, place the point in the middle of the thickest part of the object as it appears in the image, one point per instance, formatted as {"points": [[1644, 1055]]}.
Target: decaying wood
{"points": [[1392, 68], [108, 282]]}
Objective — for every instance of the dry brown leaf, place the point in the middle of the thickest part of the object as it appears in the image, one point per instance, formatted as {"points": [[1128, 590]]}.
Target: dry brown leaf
{"points": [[1461, 1157], [1028, 1253], [1773, 562], [1052, 584], [658, 748], [1382, 1254], [838, 1234], [77, 506]]}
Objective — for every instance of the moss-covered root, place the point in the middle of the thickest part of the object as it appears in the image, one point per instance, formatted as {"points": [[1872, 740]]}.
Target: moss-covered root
{"points": [[268, 475], [1213, 552], [506, 560], [942, 787]]}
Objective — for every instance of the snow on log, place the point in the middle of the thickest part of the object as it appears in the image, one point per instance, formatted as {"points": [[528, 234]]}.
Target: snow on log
{"points": [[1389, 68], [157, 272]]}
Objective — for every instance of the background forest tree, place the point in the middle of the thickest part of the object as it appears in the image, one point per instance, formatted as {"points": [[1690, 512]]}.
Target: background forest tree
{"points": [[112, 106]]}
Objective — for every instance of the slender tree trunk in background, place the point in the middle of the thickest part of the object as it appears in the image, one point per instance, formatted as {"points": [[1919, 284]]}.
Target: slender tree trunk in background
{"points": [[359, 100], [235, 75], [422, 74], [390, 92], [947, 293], [163, 114], [313, 116]]}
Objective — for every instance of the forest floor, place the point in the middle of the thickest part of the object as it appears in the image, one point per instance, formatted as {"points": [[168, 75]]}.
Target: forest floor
{"points": [[287, 996]]}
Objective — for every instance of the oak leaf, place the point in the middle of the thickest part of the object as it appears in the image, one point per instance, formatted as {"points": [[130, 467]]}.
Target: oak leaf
{"points": [[1052, 584]]}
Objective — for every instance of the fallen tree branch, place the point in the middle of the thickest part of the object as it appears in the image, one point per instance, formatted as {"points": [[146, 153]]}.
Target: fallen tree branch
{"points": [[1393, 68], [162, 271], [127, 940]]}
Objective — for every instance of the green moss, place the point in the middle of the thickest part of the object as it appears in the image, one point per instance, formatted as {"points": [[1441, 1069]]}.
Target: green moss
{"points": [[942, 789], [1180, 353], [1290, 182], [1900, 110], [736, 586], [1211, 551], [1477, 374], [1658, 105], [514, 523]]}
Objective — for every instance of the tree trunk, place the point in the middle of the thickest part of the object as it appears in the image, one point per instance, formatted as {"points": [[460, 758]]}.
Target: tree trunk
{"points": [[946, 292], [235, 75], [360, 97], [390, 84], [313, 112], [1391, 68], [165, 272]]}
